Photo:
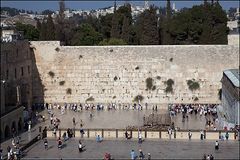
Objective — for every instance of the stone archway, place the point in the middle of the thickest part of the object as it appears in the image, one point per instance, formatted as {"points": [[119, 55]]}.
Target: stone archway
{"points": [[20, 124], [13, 126], [7, 132]]}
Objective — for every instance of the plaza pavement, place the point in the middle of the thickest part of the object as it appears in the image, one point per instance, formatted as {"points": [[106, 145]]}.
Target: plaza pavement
{"points": [[120, 119], [120, 149]]}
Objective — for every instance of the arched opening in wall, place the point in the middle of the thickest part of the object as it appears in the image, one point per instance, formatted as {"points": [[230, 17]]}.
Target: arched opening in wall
{"points": [[7, 132], [13, 128], [20, 124]]}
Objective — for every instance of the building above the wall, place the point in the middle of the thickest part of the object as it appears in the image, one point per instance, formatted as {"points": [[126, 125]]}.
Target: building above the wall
{"points": [[10, 34]]}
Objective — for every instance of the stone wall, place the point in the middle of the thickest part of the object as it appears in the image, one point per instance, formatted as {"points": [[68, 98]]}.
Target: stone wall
{"points": [[16, 71], [118, 73]]}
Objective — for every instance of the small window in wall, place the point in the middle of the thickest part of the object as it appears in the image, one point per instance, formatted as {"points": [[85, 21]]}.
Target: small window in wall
{"points": [[7, 74], [22, 71], [15, 73], [28, 69]]}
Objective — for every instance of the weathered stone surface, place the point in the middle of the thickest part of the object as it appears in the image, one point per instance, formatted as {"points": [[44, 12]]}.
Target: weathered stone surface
{"points": [[97, 72]]}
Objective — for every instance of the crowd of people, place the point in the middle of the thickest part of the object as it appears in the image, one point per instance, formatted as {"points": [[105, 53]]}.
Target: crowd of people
{"points": [[91, 106], [209, 111]]}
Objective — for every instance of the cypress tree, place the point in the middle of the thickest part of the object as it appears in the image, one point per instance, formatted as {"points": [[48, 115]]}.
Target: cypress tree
{"points": [[125, 29], [43, 31], [50, 28], [147, 27], [60, 35], [115, 32], [38, 25], [205, 2], [169, 9]]}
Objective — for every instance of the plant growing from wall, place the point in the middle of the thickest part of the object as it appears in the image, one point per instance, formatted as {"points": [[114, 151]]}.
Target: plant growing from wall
{"points": [[57, 49], [169, 88], [90, 99], [61, 83], [149, 84], [154, 88], [69, 91], [138, 98], [193, 85], [114, 97], [196, 99], [115, 78], [51, 74]]}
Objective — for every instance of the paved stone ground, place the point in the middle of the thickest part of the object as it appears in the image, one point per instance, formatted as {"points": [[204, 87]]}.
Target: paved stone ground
{"points": [[102, 119], [121, 119], [120, 149]]}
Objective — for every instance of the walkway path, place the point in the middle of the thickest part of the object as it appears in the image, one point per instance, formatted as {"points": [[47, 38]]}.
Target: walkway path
{"points": [[120, 149], [25, 138]]}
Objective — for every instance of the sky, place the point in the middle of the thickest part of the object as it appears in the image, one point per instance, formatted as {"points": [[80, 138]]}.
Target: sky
{"points": [[88, 5]]}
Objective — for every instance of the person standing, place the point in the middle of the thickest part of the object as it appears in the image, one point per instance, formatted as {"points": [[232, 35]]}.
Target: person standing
{"points": [[201, 135], [204, 157], [208, 157], [149, 156], [74, 122], [216, 145], [170, 132], [29, 125], [139, 137], [80, 147], [227, 135], [189, 134], [133, 155], [59, 143], [211, 157], [141, 155], [45, 144]]}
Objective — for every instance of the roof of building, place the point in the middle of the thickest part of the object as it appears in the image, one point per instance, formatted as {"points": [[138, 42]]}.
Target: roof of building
{"points": [[233, 75]]}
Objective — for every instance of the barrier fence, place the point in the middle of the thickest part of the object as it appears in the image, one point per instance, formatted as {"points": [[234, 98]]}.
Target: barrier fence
{"points": [[147, 134]]}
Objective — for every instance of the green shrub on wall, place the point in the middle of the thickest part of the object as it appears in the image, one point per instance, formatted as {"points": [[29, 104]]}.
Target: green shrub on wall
{"points": [[115, 78], [138, 98], [51, 74], [69, 91], [169, 88], [196, 99], [90, 99], [149, 83], [158, 77], [61, 83], [193, 85]]}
